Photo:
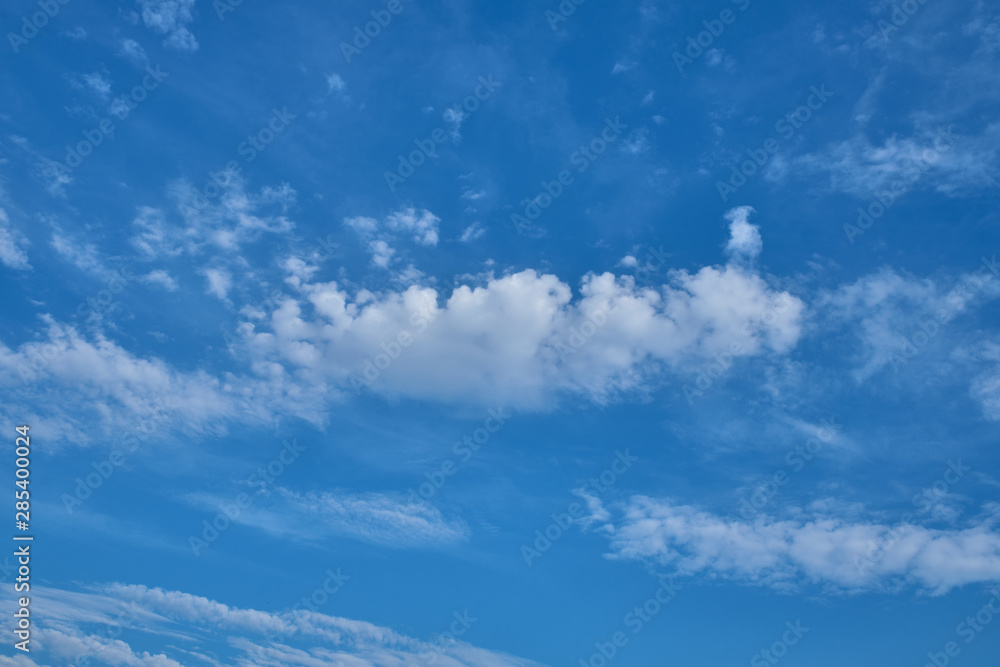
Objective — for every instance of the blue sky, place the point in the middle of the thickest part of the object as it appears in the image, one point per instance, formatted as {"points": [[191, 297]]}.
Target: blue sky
{"points": [[504, 334]]}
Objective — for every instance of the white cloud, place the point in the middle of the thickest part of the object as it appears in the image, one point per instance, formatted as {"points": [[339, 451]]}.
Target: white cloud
{"points": [[986, 387], [423, 225], [362, 226], [226, 221], [952, 164], [12, 254], [381, 253], [133, 51], [744, 238], [628, 261], [454, 117], [472, 232], [813, 547], [370, 517], [170, 18], [334, 83], [85, 256], [96, 82], [219, 282], [518, 338], [886, 309], [637, 142], [180, 628], [161, 278], [100, 382]]}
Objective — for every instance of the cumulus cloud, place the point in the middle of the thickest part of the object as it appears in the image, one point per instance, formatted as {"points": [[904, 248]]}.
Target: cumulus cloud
{"points": [[170, 18], [814, 547], [423, 225], [96, 82], [183, 629], [744, 238], [420, 226], [523, 338], [219, 282]]}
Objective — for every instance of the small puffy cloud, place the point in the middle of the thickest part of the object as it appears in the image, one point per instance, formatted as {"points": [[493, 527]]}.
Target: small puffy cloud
{"points": [[162, 279], [133, 51], [454, 117], [96, 82], [744, 238], [335, 84], [170, 18], [472, 232], [628, 261], [422, 225], [379, 238], [381, 253], [362, 226], [219, 282], [12, 244]]}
